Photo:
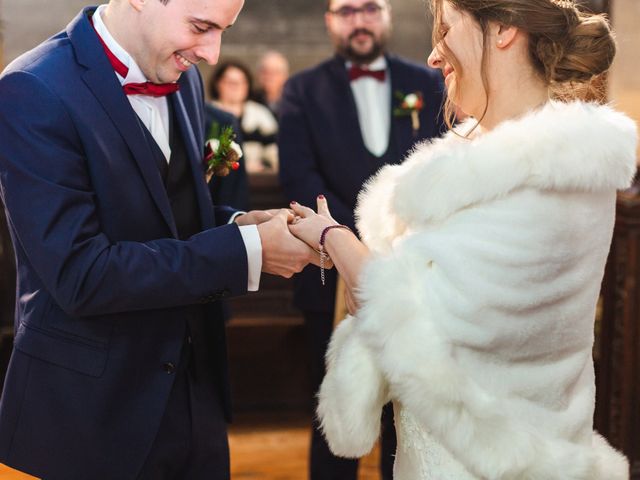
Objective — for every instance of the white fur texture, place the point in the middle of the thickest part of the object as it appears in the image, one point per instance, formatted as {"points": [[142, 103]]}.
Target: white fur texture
{"points": [[478, 303]]}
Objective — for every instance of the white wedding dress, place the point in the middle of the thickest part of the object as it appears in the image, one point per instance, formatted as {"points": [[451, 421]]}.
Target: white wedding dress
{"points": [[419, 456]]}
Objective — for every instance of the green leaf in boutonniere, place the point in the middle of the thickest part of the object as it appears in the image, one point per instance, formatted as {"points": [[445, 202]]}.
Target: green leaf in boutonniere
{"points": [[410, 105], [221, 153]]}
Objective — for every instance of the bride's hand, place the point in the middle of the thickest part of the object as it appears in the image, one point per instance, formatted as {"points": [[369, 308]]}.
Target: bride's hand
{"points": [[308, 225]]}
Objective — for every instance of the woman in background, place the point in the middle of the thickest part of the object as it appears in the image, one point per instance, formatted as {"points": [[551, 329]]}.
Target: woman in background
{"points": [[474, 290], [230, 88]]}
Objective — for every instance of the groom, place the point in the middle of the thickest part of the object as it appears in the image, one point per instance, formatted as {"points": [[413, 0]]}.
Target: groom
{"points": [[119, 367]]}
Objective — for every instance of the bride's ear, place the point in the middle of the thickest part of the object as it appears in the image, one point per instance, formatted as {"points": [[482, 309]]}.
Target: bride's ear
{"points": [[504, 35]]}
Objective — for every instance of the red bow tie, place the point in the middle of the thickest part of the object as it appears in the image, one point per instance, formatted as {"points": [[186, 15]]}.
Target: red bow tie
{"points": [[145, 88], [356, 72]]}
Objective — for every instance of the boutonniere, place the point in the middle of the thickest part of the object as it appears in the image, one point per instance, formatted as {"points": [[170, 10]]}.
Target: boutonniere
{"points": [[410, 106], [221, 153]]}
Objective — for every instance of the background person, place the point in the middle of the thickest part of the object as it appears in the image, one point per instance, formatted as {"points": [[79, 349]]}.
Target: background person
{"points": [[273, 73], [341, 121], [230, 88]]}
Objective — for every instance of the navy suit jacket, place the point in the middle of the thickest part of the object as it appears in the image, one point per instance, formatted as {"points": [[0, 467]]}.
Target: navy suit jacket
{"points": [[322, 151], [104, 286]]}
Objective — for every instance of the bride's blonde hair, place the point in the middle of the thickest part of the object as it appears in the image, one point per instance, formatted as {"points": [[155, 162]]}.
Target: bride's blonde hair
{"points": [[568, 47]]}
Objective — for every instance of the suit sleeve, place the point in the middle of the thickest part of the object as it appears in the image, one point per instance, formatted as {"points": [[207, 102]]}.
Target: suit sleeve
{"points": [[300, 164], [47, 189]]}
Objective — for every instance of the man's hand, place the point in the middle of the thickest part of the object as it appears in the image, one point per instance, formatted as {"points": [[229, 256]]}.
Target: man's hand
{"points": [[282, 253], [256, 217]]}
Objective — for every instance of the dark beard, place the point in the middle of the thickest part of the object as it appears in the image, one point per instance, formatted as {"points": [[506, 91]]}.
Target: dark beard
{"points": [[377, 49]]}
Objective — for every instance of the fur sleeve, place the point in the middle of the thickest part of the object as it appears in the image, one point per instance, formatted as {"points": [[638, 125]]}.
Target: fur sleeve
{"points": [[474, 425], [352, 394], [374, 219]]}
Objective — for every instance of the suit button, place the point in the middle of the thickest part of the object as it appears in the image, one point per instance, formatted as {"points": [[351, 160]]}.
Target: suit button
{"points": [[169, 368]]}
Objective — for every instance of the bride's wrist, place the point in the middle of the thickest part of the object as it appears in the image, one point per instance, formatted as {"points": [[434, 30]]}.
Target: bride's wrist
{"points": [[325, 232], [322, 246]]}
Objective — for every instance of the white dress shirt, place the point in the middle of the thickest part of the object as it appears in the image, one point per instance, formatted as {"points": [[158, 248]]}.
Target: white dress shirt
{"points": [[154, 113], [373, 103]]}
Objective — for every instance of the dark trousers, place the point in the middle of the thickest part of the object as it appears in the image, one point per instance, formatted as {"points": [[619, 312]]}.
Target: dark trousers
{"points": [[323, 465], [192, 440]]}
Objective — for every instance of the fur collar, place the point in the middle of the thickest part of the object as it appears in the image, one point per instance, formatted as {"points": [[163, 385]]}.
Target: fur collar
{"points": [[563, 147]]}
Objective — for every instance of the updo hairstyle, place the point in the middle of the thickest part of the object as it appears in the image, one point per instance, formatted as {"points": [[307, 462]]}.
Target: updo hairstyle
{"points": [[568, 47]]}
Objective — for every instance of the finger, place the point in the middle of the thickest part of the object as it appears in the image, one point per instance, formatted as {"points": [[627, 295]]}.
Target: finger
{"points": [[291, 217], [323, 206], [284, 216], [260, 216], [301, 210], [314, 258]]}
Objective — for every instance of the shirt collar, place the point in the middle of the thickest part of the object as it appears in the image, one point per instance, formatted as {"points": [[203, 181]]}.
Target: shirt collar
{"points": [[379, 63], [134, 75]]}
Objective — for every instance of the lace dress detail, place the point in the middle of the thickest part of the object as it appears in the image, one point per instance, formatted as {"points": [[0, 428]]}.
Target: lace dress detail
{"points": [[419, 456]]}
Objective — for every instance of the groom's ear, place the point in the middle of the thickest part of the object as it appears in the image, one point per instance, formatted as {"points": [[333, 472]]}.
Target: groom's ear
{"points": [[137, 5]]}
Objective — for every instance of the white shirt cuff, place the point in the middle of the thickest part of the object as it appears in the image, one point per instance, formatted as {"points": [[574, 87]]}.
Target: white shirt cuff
{"points": [[234, 216], [252, 243]]}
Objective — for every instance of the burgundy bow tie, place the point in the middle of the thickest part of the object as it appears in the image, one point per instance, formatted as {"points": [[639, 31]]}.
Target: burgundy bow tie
{"points": [[144, 88], [356, 72]]}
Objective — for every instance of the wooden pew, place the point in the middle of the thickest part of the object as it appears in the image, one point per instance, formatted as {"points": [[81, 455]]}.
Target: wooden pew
{"points": [[617, 345]]}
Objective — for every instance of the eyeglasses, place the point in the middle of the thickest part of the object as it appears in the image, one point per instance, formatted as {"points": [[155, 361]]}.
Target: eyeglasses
{"points": [[370, 12]]}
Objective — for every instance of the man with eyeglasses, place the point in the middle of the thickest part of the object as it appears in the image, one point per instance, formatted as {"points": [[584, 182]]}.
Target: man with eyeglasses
{"points": [[339, 123]]}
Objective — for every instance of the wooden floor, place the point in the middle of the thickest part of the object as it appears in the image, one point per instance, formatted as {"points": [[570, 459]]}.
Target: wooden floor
{"points": [[273, 448]]}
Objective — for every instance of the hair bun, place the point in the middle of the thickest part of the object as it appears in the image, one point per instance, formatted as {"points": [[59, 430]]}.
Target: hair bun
{"points": [[589, 50]]}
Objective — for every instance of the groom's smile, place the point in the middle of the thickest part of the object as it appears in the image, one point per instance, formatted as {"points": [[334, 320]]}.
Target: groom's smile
{"points": [[170, 36]]}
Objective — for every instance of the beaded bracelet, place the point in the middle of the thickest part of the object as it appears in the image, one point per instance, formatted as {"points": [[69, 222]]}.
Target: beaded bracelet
{"points": [[324, 256]]}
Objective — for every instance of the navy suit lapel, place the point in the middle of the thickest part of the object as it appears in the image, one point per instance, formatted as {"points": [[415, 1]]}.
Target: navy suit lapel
{"points": [[195, 153], [101, 80]]}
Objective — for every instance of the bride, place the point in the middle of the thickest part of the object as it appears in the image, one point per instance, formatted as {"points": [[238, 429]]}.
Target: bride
{"points": [[473, 291]]}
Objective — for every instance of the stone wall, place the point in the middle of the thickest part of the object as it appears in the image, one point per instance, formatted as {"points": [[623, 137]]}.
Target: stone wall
{"points": [[296, 27], [625, 73]]}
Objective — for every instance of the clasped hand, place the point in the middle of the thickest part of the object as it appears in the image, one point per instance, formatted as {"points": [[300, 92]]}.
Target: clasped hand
{"points": [[308, 225], [282, 253], [350, 254], [290, 240]]}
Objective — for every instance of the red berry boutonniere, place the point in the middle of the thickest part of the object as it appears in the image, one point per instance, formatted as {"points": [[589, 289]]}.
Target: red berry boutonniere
{"points": [[221, 153], [410, 106]]}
